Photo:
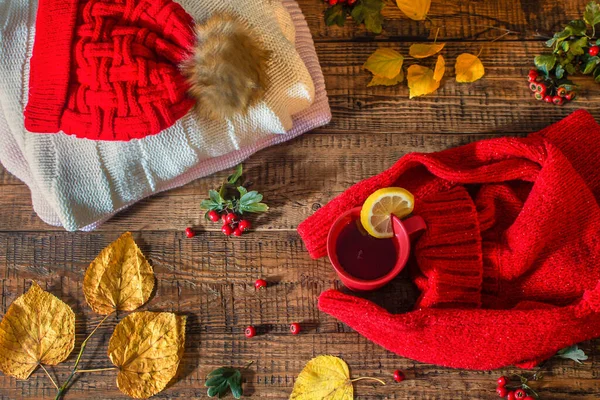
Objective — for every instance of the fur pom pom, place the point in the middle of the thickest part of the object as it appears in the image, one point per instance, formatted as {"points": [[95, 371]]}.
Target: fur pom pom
{"points": [[228, 71]]}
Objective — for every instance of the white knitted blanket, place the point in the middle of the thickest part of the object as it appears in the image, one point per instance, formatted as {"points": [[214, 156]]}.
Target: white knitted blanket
{"points": [[79, 183]]}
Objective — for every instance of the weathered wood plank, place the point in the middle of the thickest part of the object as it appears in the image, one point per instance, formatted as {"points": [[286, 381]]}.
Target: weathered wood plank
{"points": [[457, 20], [296, 179], [210, 280]]}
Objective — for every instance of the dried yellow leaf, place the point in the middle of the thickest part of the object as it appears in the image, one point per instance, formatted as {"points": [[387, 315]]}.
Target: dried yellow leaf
{"points": [[469, 68], [147, 348], [440, 69], [38, 328], [420, 81], [120, 278], [385, 63], [324, 377], [414, 9], [381, 81], [420, 50]]}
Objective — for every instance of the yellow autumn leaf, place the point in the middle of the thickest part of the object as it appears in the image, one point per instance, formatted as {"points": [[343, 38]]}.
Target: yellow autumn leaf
{"points": [[421, 81], [385, 63], [120, 278], [147, 348], [324, 377], [381, 81], [414, 9], [38, 328], [440, 68], [421, 50], [468, 68]]}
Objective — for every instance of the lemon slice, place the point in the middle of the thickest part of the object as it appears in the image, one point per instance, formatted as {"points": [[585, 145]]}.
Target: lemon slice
{"points": [[376, 212]]}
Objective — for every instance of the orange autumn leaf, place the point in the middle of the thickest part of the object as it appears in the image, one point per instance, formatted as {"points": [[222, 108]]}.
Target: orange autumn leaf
{"points": [[440, 68], [385, 63], [414, 9], [423, 50], [469, 68], [421, 81]]}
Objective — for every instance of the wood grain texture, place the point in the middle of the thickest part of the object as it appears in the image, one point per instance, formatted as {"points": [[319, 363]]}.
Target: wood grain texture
{"points": [[210, 278]]}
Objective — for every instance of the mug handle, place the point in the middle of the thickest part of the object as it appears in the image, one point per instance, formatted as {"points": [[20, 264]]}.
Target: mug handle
{"points": [[414, 224]]}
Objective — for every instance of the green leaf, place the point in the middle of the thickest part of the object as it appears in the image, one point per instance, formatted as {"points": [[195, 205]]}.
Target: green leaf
{"points": [[559, 71], [573, 353], [239, 170], [597, 75], [570, 68], [242, 190], [591, 16], [254, 208], [223, 379], [565, 46], [251, 198], [550, 42], [590, 65], [545, 62], [215, 197], [576, 47], [335, 15], [369, 13], [576, 27]]}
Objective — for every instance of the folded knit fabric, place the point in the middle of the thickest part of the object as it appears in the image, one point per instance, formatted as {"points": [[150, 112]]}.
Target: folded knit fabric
{"points": [[509, 266], [79, 183]]}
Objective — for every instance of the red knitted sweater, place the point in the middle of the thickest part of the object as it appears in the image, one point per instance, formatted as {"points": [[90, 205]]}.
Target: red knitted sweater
{"points": [[509, 266]]}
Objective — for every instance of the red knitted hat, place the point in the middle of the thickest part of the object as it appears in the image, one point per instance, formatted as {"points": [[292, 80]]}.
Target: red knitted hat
{"points": [[510, 264], [107, 69]]}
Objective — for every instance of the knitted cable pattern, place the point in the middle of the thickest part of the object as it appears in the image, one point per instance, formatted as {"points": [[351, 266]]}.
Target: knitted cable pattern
{"points": [[124, 80]]}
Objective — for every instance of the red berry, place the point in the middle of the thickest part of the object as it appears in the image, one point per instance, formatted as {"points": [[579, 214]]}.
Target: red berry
{"points": [[399, 376], [332, 2], [533, 86], [548, 99], [570, 96], [529, 398], [230, 218], [260, 284], [189, 232], [250, 332], [531, 78], [594, 50], [237, 232], [502, 391], [295, 328], [558, 100], [511, 396], [213, 216], [533, 72], [520, 394], [541, 88], [502, 381], [561, 91], [538, 96], [244, 225], [227, 230]]}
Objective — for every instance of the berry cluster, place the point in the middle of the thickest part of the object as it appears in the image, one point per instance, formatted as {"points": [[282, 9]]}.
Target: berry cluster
{"points": [[232, 224], [334, 2], [518, 394], [546, 89]]}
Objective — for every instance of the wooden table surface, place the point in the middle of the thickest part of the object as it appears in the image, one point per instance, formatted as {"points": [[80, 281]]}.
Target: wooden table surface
{"points": [[210, 278]]}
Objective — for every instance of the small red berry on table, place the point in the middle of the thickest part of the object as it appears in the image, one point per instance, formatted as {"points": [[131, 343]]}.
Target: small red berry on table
{"points": [[189, 232], [213, 216], [520, 394], [227, 230], [561, 91], [538, 96], [529, 398], [237, 232], [558, 100], [295, 328], [570, 96], [594, 50], [260, 284], [502, 381], [541, 88], [533, 86], [511, 396], [399, 376], [244, 225], [502, 391], [230, 218], [250, 332], [548, 99]]}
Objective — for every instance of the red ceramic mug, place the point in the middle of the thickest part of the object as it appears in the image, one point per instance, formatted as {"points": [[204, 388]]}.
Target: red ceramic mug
{"points": [[401, 239]]}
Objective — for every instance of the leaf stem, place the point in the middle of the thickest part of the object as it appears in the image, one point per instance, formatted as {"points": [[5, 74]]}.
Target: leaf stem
{"points": [[63, 388], [368, 378], [80, 371], [49, 376]]}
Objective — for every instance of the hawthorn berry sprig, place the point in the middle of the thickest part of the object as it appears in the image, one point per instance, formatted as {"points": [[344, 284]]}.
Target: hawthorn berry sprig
{"points": [[230, 202], [575, 50]]}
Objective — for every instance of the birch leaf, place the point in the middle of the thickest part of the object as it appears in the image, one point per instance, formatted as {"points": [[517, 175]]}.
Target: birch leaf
{"points": [[381, 81], [147, 347], [421, 81], [421, 50], [414, 9], [38, 328], [120, 278], [440, 69], [324, 377], [468, 68], [385, 63]]}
